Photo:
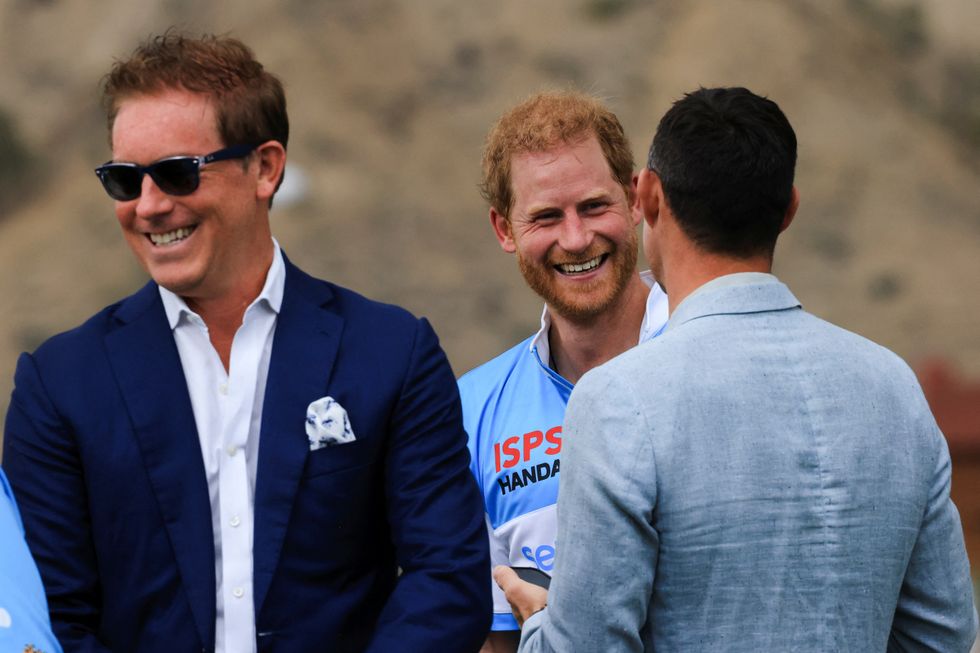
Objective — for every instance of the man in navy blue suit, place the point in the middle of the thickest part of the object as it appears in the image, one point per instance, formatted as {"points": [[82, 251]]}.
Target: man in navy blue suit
{"points": [[239, 457]]}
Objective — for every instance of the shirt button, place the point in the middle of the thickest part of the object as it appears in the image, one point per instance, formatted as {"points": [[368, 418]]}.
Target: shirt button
{"points": [[232, 450], [238, 592], [235, 521], [223, 388]]}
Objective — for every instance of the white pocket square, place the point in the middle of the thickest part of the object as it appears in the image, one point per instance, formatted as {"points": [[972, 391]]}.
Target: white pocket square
{"points": [[327, 424]]}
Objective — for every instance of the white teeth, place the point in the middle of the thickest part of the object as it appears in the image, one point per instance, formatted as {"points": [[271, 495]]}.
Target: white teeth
{"points": [[574, 268], [171, 236]]}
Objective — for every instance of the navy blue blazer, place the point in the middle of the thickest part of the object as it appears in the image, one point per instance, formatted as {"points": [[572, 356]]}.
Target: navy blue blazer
{"points": [[102, 451]]}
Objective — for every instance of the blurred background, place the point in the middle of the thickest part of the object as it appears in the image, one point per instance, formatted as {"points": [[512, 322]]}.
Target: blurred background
{"points": [[389, 103]]}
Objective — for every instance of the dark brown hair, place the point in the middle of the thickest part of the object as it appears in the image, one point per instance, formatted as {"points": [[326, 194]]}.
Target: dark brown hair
{"points": [[250, 102], [726, 159]]}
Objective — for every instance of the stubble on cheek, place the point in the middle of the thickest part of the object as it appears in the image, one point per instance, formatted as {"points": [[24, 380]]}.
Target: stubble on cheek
{"points": [[589, 300]]}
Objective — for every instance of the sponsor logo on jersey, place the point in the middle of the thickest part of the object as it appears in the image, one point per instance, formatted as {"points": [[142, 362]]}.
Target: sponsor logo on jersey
{"points": [[516, 449], [510, 481], [542, 556]]}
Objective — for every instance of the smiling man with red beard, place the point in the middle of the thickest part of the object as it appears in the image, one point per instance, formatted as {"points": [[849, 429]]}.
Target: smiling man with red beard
{"points": [[558, 176]]}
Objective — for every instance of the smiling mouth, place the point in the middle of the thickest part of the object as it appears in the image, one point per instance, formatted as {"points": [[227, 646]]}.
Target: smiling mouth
{"points": [[581, 268], [171, 237]]}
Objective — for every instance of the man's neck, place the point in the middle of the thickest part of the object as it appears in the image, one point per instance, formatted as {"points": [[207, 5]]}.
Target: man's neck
{"points": [[693, 271], [577, 347], [224, 312], [223, 317]]}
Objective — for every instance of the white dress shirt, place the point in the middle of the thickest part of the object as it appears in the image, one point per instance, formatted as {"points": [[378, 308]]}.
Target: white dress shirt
{"points": [[228, 413]]}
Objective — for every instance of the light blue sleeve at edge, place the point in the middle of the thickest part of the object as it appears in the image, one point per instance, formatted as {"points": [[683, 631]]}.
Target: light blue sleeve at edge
{"points": [[24, 616], [935, 609]]}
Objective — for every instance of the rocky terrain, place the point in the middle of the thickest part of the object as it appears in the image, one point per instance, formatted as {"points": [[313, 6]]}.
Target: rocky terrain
{"points": [[389, 103]]}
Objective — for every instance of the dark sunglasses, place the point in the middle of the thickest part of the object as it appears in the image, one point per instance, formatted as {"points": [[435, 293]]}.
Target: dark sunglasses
{"points": [[175, 175]]}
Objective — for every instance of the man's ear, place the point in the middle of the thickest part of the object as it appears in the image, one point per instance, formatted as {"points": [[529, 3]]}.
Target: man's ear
{"points": [[794, 204], [502, 229], [648, 196], [271, 156], [633, 198]]}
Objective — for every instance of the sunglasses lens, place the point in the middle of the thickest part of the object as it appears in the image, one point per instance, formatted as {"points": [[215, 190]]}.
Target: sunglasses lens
{"points": [[122, 182], [177, 176]]}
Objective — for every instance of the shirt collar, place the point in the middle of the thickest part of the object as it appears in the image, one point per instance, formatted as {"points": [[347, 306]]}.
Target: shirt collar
{"points": [[730, 281], [742, 292], [271, 295], [654, 319]]}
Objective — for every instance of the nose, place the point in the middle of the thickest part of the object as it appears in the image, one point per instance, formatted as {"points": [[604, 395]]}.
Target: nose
{"points": [[575, 235], [152, 201]]}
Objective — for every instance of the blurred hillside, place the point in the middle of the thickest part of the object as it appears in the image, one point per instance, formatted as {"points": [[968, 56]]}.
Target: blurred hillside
{"points": [[389, 103]]}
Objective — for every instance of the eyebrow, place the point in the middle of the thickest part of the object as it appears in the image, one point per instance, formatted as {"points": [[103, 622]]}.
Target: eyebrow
{"points": [[602, 196], [543, 210], [597, 195]]}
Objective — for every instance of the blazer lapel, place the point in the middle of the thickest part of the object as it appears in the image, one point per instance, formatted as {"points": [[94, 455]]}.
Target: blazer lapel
{"points": [[144, 357], [303, 352]]}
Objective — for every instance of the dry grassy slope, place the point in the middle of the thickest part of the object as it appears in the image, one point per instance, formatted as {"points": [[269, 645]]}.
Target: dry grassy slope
{"points": [[389, 103], [887, 238]]}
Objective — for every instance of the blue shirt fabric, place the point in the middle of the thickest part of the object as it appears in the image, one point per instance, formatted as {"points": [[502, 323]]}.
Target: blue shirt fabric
{"points": [[513, 408], [755, 479], [24, 621]]}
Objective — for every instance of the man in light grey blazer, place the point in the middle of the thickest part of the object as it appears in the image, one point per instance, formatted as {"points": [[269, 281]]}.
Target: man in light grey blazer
{"points": [[755, 479]]}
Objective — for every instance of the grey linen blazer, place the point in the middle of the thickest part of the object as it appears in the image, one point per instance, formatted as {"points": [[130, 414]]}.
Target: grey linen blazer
{"points": [[755, 479]]}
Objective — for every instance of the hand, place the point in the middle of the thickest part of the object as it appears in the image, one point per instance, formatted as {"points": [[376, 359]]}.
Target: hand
{"points": [[525, 598]]}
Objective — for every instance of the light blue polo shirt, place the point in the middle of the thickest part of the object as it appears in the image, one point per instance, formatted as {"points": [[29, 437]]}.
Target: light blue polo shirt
{"points": [[513, 408], [23, 609]]}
